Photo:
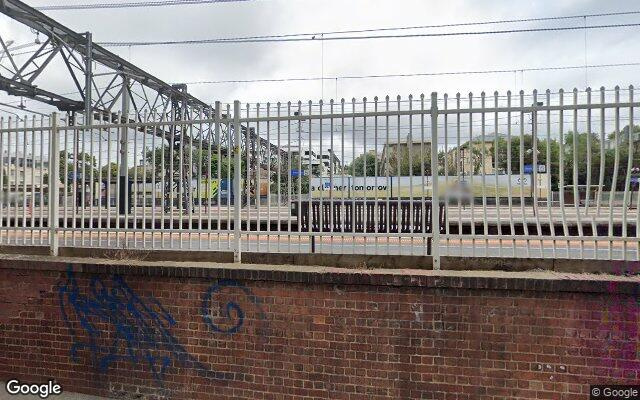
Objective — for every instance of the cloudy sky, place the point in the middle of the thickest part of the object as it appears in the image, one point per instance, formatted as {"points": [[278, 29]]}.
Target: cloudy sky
{"points": [[312, 59], [214, 62]]}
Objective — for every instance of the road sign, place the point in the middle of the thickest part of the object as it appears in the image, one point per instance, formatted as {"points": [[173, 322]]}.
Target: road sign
{"points": [[297, 172], [528, 169]]}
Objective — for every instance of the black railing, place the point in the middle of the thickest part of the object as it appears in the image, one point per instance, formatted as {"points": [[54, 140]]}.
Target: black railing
{"points": [[361, 216]]}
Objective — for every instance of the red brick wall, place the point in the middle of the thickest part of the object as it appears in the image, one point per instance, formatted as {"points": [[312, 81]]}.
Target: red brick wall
{"points": [[223, 333]]}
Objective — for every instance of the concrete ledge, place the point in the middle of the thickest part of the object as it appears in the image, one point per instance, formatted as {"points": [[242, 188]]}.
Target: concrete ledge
{"points": [[351, 261], [546, 281]]}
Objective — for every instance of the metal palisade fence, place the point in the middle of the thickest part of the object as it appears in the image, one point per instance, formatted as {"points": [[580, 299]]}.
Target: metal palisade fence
{"points": [[537, 175]]}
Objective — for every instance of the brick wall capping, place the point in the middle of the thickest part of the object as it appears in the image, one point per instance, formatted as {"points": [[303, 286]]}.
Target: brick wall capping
{"points": [[536, 280]]}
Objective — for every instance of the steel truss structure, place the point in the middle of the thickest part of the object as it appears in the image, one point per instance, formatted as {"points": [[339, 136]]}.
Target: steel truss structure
{"points": [[110, 88]]}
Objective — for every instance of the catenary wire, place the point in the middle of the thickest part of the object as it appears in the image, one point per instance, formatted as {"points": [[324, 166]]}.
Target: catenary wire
{"points": [[478, 72], [130, 4], [366, 37]]}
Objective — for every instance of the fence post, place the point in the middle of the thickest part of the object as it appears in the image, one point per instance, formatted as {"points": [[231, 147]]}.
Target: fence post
{"points": [[54, 174], [435, 198], [237, 188]]}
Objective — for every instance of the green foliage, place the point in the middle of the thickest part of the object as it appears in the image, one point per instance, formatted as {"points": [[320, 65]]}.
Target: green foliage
{"points": [[472, 158], [110, 170], [575, 150], [357, 167], [82, 170], [285, 173], [203, 164]]}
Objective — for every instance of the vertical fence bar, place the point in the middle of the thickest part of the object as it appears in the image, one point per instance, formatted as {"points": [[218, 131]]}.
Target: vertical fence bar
{"points": [[565, 229], [496, 168], [216, 127], [109, 179], [423, 203], [483, 156], [33, 180], [534, 166], [4, 195], [616, 163], [594, 229], [445, 167], [552, 226], [627, 180], [575, 178], [237, 196], [459, 166], [387, 168], [410, 216], [25, 139], [91, 159], [512, 230], [602, 153], [9, 126], [289, 178], [237, 254], [435, 202], [399, 156], [331, 172], [164, 192], [364, 173], [312, 238], [258, 165], [249, 160], [148, 117], [299, 189], [54, 173], [16, 181], [343, 212], [471, 174], [523, 211], [154, 192]]}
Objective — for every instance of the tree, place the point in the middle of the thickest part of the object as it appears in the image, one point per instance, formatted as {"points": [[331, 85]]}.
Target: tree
{"points": [[109, 171], [86, 171], [502, 160], [203, 163], [399, 163], [141, 173], [469, 161], [581, 152], [357, 167], [620, 144]]}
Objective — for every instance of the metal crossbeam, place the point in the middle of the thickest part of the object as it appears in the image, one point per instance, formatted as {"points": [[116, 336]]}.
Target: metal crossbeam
{"points": [[101, 91]]}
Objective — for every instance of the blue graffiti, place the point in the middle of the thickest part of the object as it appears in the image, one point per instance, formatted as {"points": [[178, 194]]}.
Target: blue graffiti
{"points": [[231, 311], [118, 325]]}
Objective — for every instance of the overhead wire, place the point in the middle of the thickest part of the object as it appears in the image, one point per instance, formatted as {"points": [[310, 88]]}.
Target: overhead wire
{"points": [[418, 74], [281, 38], [133, 4], [346, 77]]}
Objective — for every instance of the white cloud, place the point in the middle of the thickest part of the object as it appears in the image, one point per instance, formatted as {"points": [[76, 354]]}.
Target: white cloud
{"points": [[281, 60]]}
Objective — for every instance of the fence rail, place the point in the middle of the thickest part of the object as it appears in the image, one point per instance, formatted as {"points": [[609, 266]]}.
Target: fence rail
{"points": [[515, 175]]}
